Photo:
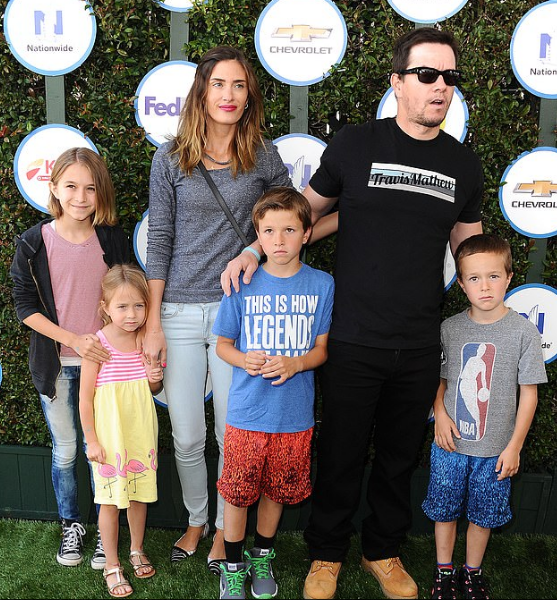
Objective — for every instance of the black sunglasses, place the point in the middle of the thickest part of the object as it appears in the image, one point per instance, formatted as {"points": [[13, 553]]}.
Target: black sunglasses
{"points": [[430, 75]]}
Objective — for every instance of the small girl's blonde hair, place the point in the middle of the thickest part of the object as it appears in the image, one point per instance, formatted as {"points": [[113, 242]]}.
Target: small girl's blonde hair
{"points": [[115, 278]]}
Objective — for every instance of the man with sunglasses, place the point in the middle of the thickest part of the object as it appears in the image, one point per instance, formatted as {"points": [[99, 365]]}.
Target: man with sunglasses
{"points": [[404, 189]]}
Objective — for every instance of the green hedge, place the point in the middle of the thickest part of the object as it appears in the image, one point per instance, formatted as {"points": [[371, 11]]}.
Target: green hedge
{"points": [[133, 36]]}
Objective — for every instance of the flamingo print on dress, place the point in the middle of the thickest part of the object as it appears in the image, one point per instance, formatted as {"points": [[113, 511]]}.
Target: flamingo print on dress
{"points": [[122, 470], [110, 473], [137, 468], [153, 457]]}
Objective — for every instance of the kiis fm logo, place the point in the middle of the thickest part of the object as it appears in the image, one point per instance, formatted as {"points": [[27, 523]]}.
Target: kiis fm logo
{"points": [[302, 33], [39, 169]]}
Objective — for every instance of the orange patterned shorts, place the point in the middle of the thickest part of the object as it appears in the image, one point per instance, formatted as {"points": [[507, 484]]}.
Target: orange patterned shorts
{"points": [[276, 465]]}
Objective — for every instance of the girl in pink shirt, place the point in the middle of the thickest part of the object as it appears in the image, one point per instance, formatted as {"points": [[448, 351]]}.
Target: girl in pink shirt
{"points": [[57, 270]]}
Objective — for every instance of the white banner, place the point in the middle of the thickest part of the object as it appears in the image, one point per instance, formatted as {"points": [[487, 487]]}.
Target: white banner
{"points": [[50, 37], [160, 97], [534, 50], [427, 11], [36, 156], [528, 193], [538, 303], [176, 5], [298, 42], [301, 154]]}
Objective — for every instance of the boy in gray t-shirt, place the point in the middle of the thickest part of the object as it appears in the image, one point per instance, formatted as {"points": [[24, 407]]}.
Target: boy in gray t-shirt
{"points": [[490, 353]]}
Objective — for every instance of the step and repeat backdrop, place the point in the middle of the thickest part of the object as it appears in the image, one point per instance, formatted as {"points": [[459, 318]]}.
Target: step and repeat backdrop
{"points": [[298, 43]]}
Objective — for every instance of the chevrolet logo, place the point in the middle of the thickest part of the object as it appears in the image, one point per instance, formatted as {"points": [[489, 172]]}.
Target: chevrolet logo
{"points": [[302, 33], [539, 189]]}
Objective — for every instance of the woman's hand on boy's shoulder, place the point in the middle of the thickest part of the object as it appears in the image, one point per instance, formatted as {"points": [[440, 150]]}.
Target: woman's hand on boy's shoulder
{"points": [[245, 262]]}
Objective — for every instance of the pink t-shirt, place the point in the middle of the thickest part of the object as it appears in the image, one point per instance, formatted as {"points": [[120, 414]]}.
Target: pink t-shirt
{"points": [[76, 272]]}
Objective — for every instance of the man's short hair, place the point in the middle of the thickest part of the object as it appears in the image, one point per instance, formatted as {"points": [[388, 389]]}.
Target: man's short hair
{"points": [[420, 35]]}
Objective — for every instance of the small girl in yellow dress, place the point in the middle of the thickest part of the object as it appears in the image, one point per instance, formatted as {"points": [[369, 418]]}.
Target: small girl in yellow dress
{"points": [[120, 423]]}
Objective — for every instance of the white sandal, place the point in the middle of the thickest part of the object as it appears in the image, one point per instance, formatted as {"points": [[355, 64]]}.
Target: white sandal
{"points": [[120, 581], [142, 564]]}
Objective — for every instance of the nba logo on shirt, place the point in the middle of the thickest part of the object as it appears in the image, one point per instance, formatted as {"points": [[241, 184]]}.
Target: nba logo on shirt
{"points": [[473, 389]]}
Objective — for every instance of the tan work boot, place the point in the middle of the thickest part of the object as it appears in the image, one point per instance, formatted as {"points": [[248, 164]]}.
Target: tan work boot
{"points": [[321, 581], [392, 577]]}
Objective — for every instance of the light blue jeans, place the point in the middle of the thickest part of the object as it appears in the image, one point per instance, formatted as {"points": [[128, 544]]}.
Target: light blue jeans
{"points": [[190, 355], [61, 414]]}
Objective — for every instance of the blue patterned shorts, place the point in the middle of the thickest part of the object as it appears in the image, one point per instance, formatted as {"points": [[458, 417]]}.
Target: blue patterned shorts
{"points": [[458, 481]]}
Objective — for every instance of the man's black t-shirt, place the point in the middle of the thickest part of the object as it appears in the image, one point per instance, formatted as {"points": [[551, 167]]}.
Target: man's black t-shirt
{"points": [[399, 199]]}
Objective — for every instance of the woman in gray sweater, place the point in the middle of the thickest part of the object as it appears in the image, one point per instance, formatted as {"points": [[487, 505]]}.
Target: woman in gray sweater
{"points": [[189, 243]]}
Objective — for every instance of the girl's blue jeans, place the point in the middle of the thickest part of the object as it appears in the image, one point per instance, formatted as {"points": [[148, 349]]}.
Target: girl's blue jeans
{"points": [[61, 414]]}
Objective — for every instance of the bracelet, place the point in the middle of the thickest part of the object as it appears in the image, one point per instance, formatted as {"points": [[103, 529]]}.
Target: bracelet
{"points": [[253, 251]]}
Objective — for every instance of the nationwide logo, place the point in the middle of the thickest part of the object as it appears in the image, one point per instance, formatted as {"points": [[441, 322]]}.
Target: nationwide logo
{"points": [[49, 27], [537, 303], [547, 53], [49, 23], [302, 33], [536, 317], [300, 173]]}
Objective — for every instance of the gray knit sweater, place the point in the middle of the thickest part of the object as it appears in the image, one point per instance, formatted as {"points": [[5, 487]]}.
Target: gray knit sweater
{"points": [[189, 239]]}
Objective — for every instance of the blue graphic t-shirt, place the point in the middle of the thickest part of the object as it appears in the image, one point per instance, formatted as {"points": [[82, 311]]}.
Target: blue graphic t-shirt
{"points": [[280, 316]]}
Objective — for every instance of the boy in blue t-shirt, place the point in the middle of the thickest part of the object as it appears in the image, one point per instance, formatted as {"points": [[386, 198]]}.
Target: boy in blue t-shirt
{"points": [[274, 333]]}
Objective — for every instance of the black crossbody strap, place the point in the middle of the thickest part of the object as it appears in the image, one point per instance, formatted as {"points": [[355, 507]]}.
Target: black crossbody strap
{"points": [[222, 203]]}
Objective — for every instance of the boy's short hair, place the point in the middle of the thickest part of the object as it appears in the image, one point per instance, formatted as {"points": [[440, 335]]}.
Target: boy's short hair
{"points": [[481, 243], [282, 198]]}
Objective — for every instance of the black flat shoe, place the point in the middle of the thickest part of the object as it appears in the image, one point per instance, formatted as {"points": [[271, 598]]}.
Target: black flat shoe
{"points": [[213, 564], [178, 554]]}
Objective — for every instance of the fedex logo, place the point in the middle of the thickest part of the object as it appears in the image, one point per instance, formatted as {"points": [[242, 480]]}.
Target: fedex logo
{"points": [[160, 109]]}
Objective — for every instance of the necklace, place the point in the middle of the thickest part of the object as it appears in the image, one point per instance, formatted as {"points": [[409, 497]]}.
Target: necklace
{"points": [[217, 162]]}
